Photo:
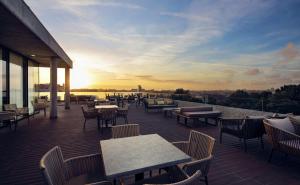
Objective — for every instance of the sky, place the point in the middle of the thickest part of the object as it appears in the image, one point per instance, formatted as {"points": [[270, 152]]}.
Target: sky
{"points": [[191, 44]]}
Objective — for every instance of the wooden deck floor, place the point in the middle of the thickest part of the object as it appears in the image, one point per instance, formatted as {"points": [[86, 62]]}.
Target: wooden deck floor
{"points": [[21, 151]]}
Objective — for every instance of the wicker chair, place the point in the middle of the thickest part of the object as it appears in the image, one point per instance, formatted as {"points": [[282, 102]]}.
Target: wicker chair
{"points": [[8, 118], [89, 114], [39, 106], [174, 176], [20, 113], [199, 147], [57, 171], [107, 115], [243, 129], [282, 140], [122, 113], [127, 130]]}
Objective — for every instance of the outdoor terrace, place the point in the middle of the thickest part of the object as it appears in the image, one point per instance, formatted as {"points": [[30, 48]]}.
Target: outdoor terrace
{"points": [[22, 150]]}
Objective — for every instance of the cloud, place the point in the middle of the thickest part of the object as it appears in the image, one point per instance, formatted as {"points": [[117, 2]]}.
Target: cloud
{"points": [[289, 53], [253, 72], [101, 3]]}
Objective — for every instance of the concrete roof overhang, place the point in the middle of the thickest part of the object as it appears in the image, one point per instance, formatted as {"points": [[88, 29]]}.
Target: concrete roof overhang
{"points": [[21, 31]]}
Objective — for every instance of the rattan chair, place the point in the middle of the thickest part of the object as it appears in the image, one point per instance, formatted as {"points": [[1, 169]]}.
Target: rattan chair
{"points": [[245, 129], [122, 112], [282, 140], [57, 171], [89, 114], [199, 147], [107, 115], [127, 130], [39, 106], [174, 176]]}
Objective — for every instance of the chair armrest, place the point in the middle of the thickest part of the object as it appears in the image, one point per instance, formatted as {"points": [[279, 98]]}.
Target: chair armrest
{"points": [[182, 145], [203, 165], [23, 110], [82, 165], [100, 183]]}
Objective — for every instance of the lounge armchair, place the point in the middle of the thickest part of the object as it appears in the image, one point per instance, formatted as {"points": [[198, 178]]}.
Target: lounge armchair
{"points": [[89, 114], [281, 134], [20, 113], [127, 130], [195, 113], [199, 147], [58, 171], [245, 129]]}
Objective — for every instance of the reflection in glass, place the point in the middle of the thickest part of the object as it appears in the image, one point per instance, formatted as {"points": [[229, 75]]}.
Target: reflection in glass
{"points": [[16, 79], [33, 81]]}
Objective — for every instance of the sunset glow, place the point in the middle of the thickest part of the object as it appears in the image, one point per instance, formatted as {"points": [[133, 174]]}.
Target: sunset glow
{"points": [[169, 44]]}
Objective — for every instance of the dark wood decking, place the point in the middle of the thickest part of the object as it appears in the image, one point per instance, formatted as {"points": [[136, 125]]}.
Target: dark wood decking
{"points": [[21, 151]]}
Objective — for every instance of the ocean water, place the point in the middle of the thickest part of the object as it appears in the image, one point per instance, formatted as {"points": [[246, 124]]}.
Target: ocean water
{"points": [[61, 95]]}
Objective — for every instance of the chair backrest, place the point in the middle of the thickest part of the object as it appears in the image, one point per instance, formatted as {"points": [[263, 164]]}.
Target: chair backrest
{"points": [[52, 167], [10, 107], [253, 128], [108, 113], [272, 134], [200, 145], [192, 180], [127, 130]]}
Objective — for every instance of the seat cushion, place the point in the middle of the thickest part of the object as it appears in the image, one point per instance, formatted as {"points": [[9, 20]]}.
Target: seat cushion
{"points": [[195, 109], [151, 101], [160, 102], [295, 120], [283, 124]]}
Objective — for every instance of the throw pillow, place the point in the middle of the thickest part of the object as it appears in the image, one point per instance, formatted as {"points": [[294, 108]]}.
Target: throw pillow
{"points": [[283, 124]]}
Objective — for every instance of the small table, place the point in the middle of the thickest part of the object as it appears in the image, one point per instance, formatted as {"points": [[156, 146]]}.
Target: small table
{"points": [[134, 155], [106, 107]]}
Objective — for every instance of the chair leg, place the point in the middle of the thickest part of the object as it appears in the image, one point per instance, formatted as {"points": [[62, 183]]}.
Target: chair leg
{"points": [[206, 180], [262, 143], [221, 134], [84, 123], [245, 144], [16, 125], [270, 156], [44, 112]]}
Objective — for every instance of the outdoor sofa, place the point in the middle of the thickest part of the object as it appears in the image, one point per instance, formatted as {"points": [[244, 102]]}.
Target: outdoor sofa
{"points": [[159, 103], [195, 113], [284, 135]]}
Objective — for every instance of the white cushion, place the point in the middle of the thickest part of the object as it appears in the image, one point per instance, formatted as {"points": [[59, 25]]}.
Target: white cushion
{"points": [[283, 124]]}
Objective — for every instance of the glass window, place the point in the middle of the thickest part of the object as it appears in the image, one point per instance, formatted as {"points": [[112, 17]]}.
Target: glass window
{"points": [[16, 79], [33, 81]]}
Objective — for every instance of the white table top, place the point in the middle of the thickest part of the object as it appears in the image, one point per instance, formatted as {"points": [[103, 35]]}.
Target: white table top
{"points": [[106, 106], [133, 155]]}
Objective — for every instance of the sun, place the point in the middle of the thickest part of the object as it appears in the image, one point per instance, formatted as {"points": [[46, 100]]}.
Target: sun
{"points": [[80, 79]]}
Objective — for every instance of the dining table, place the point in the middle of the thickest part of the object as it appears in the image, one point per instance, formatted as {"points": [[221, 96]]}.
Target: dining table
{"points": [[138, 154]]}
